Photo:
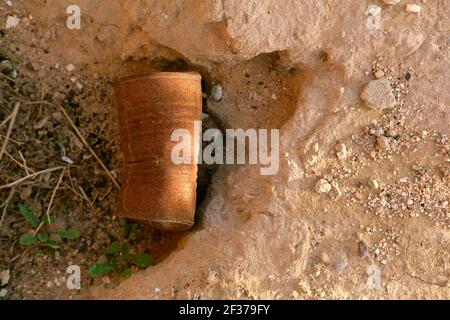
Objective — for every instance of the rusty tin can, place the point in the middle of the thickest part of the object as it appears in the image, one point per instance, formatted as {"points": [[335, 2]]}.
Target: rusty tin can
{"points": [[154, 189]]}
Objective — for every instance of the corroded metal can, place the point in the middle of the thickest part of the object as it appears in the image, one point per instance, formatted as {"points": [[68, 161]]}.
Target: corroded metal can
{"points": [[155, 190]]}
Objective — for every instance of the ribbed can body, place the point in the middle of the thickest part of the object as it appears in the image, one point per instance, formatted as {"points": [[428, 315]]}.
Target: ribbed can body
{"points": [[154, 189]]}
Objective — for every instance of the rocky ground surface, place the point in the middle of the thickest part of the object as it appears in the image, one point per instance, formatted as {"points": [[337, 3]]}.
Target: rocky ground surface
{"points": [[363, 187]]}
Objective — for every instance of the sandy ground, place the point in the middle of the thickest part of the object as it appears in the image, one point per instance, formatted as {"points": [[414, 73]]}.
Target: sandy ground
{"points": [[363, 188]]}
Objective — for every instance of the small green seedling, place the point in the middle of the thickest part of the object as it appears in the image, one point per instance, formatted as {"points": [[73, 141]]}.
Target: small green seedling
{"points": [[143, 260], [28, 214], [60, 142], [27, 240], [102, 269], [43, 237], [119, 256]]}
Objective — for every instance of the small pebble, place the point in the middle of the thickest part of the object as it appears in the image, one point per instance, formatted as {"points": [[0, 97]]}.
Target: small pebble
{"points": [[12, 22], [322, 186], [4, 277], [379, 74], [373, 184], [217, 92], [324, 258], [378, 95], [413, 8], [3, 293], [341, 151], [391, 2], [70, 67], [67, 160]]}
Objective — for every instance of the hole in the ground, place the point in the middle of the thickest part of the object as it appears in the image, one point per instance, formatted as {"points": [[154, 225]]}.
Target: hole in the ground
{"points": [[259, 93]]}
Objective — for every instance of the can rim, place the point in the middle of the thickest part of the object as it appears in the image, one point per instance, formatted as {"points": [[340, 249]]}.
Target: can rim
{"points": [[161, 74]]}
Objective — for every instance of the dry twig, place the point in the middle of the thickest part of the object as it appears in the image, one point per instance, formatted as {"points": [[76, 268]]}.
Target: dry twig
{"points": [[12, 184], [80, 136], [5, 206], [47, 213], [11, 126]]}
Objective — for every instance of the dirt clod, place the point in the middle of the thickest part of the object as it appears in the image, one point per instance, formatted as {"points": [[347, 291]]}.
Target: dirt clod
{"points": [[378, 95]]}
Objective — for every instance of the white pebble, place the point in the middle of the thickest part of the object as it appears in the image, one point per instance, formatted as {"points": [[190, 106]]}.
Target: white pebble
{"points": [[341, 151], [379, 74], [3, 293], [67, 160], [374, 184], [413, 8], [4, 277], [70, 67], [322, 186], [12, 22], [217, 92]]}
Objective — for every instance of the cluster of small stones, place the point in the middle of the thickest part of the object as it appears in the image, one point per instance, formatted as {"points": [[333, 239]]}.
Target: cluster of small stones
{"points": [[424, 192], [388, 246], [426, 195], [399, 84]]}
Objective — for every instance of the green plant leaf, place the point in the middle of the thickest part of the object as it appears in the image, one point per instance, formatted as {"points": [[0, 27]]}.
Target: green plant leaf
{"points": [[48, 219], [69, 234], [114, 248], [124, 224], [143, 260], [128, 229], [101, 269], [28, 214], [43, 237], [126, 273], [126, 251], [60, 142], [27, 239]]}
